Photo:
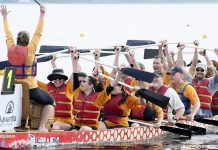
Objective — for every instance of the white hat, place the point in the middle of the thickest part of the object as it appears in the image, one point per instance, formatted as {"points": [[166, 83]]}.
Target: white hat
{"points": [[200, 65]]}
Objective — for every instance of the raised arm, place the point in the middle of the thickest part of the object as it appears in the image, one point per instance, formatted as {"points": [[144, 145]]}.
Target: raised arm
{"points": [[76, 67], [208, 60], [195, 59], [8, 33], [32, 46], [53, 62], [128, 58], [116, 61], [161, 52], [169, 58], [179, 61], [216, 51]]}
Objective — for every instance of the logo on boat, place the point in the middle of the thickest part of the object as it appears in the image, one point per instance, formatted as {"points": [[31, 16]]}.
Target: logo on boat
{"points": [[34, 139], [3, 143], [9, 108]]}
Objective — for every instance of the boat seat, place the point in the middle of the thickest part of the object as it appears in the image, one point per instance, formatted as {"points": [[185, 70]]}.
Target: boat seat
{"points": [[31, 110]]}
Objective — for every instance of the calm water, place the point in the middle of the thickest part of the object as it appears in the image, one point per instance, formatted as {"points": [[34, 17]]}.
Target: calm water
{"points": [[99, 26]]}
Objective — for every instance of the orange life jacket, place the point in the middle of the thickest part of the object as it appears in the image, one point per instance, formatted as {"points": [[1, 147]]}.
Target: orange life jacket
{"points": [[112, 110], [203, 93], [162, 90], [85, 111], [17, 57], [215, 101], [64, 105]]}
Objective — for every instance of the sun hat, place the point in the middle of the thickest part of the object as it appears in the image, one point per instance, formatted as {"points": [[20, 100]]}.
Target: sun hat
{"points": [[57, 72]]}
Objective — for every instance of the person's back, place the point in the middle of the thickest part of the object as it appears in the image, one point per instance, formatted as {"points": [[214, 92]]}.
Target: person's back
{"points": [[26, 65]]}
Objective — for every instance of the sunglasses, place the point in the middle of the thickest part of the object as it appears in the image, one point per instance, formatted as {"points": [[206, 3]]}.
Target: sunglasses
{"points": [[58, 77], [199, 70], [83, 81]]}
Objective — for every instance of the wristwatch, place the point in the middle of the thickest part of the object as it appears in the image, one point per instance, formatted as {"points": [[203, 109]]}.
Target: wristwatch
{"points": [[175, 118]]}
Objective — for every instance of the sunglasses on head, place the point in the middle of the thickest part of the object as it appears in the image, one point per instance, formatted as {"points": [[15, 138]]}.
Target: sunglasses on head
{"points": [[199, 69], [58, 77]]}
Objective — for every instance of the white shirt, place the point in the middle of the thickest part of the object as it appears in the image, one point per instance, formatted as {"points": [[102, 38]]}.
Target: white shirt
{"points": [[174, 103]]}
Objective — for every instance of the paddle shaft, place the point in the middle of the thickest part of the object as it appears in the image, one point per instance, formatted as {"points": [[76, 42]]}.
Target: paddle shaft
{"points": [[139, 122], [98, 62], [151, 45], [126, 85], [37, 2], [199, 48], [48, 54]]}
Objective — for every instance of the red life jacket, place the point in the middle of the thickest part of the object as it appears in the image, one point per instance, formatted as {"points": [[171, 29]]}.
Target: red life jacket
{"points": [[64, 105], [85, 111], [138, 113], [203, 93], [128, 82], [215, 101], [17, 57], [162, 90], [112, 110]]}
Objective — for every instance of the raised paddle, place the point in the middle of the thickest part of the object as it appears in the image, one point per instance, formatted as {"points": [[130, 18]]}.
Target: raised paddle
{"points": [[151, 96], [151, 53], [40, 58], [138, 74], [37, 2], [139, 42], [179, 131], [53, 48]]}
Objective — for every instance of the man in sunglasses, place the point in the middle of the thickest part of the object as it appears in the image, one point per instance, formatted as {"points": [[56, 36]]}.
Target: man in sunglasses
{"points": [[205, 87]]}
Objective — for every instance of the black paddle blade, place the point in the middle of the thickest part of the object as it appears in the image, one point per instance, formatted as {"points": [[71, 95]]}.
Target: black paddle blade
{"points": [[207, 121], [197, 130], [150, 53], [51, 49], [4, 64], [155, 98], [44, 59], [139, 42], [139, 74], [177, 131]]}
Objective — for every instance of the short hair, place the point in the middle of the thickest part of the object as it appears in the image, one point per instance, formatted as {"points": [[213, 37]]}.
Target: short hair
{"points": [[82, 74], [23, 38], [159, 57]]}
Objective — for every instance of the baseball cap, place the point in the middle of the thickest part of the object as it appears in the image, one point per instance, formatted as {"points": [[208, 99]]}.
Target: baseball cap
{"points": [[176, 69], [200, 65]]}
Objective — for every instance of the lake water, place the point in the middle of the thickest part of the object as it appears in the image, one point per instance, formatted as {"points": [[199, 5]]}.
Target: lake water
{"points": [[100, 26]]}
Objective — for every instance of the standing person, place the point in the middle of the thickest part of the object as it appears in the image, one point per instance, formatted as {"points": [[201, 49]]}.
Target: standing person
{"points": [[186, 92], [22, 57]]}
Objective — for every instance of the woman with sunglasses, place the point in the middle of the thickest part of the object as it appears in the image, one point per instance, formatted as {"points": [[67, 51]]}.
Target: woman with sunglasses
{"points": [[62, 91], [88, 98]]}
